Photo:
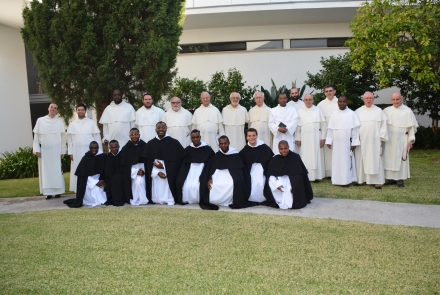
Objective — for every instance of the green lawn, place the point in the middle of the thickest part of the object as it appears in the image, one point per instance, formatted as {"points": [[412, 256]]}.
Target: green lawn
{"points": [[161, 251]]}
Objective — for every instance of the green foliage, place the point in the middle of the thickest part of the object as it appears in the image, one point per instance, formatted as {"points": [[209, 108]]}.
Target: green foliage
{"points": [[188, 91], [400, 39], [23, 164], [426, 138], [337, 70], [85, 49], [271, 98]]}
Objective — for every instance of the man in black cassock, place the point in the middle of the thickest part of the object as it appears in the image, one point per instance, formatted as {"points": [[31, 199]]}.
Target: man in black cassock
{"points": [[197, 156], [163, 156], [131, 161], [225, 181], [90, 170], [256, 156], [114, 186], [287, 185]]}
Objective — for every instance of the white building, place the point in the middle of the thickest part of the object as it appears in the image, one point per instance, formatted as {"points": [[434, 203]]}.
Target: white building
{"points": [[279, 39]]}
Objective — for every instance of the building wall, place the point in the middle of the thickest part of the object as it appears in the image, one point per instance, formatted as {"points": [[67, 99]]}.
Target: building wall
{"points": [[15, 119]]}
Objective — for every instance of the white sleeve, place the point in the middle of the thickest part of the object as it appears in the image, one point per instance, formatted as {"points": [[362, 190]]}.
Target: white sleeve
{"points": [[274, 183], [355, 136], [298, 133], [70, 144], [105, 132], [36, 144], [63, 144], [329, 139], [97, 138], [273, 126], [323, 128]]}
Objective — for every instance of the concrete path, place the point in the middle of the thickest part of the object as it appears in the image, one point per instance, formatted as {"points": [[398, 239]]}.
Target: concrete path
{"points": [[366, 211]]}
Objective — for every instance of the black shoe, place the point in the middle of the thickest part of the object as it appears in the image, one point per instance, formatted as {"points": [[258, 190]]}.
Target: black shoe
{"points": [[316, 181], [378, 187], [391, 182], [48, 197], [400, 183], [57, 196]]}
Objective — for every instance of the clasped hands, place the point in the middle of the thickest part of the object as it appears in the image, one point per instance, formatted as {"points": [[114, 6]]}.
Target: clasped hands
{"points": [[160, 166]]}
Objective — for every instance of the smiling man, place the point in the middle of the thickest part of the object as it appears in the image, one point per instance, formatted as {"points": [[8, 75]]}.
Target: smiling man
{"points": [[295, 100], [178, 121], [234, 118], [147, 117]]}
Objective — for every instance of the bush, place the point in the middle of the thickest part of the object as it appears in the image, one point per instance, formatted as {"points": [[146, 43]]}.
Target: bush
{"points": [[23, 164], [427, 139]]}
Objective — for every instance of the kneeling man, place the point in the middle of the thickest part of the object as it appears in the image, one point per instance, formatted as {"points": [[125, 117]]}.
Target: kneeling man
{"points": [[287, 184], [225, 181]]}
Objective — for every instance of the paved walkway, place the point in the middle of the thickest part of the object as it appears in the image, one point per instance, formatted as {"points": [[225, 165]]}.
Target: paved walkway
{"points": [[366, 211]]}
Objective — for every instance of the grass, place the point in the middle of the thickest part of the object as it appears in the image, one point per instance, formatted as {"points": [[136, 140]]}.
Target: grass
{"points": [[161, 251], [26, 187], [421, 188]]}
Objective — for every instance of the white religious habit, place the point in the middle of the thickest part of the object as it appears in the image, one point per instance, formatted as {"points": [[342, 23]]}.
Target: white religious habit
{"points": [[50, 141], [191, 186], [94, 195], [289, 117], [80, 133], [222, 189], [372, 134], [297, 105], [328, 107], [402, 127], [210, 123], [117, 120], [257, 179], [179, 125], [234, 120], [284, 199], [259, 120], [312, 128], [343, 126], [138, 187], [146, 120], [160, 189]]}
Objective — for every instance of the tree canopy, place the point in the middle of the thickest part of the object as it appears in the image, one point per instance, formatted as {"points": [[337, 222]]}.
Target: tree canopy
{"points": [[85, 49]]}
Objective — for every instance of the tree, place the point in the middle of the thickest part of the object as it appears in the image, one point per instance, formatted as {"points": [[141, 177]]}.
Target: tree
{"points": [[188, 91], [85, 49], [337, 70], [400, 40]]}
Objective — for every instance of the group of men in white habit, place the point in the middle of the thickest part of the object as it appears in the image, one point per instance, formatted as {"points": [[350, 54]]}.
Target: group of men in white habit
{"points": [[207, 158]]}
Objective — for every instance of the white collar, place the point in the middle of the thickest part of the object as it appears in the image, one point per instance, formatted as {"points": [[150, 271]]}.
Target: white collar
{"points": [[231, 151], [119, 150], [202, 144], [259, 142], [166, 135]]}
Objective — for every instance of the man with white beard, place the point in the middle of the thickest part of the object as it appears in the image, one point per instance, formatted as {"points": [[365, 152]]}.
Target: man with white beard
{"points": [[342, 139], [328, 106], [209, 121], [234, 118], [402, 127], [282, 123], [50, 146], [372, 134], [295, 101], [179, 122], [147, 117], [310, 138], [259, 119], [80, 133], [117, 119]]}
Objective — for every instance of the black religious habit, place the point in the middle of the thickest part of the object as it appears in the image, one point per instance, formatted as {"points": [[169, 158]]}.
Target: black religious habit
{"points": [[130, 155], [114, 186]]}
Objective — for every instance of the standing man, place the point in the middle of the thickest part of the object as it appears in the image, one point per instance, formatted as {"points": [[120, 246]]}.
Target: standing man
{"points": [[310, 138], [295, 101], [147, 117], [328, 106], [372, 134], [209, 121], [50, 146], [282, 123], [234, 118], [117, 119], [179, 122], [402, 127], [80, 133], [259, 118]]}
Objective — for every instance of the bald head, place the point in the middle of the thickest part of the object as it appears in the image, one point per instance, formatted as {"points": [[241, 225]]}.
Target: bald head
{"points": [[396, 99], [308, 100], [205, 98]]}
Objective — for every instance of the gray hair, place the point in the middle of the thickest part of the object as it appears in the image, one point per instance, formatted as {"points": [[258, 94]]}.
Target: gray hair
{"points": [[262, 93], [366, 92], [206, 93], [233, 93]]}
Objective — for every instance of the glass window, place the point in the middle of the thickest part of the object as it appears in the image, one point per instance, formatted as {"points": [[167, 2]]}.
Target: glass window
{"points": [[265, 45]]}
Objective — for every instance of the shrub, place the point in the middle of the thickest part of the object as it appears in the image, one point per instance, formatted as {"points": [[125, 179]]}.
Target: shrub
{"points": [[427, 139], [23, 164]]}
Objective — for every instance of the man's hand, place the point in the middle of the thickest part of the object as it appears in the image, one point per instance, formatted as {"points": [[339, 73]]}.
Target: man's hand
{"points": [[280, 188], [162, 175], [101, 183], [298, 143], [321, 143], [38, 154], [158, 165], [106, 141], [210, 184], [352, 147], [141, 172], [71, 157], [62, 156], [408, 147], [329, 146], [282, 129]]}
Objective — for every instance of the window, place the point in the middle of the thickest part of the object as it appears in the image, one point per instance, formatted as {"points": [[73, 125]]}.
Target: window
{"points": [[321, 42], [265, 45]]}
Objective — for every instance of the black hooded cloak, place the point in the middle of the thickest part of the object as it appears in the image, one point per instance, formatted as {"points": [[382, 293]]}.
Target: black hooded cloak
{"points": [[114, 186], [130, 155], [261, 154]]}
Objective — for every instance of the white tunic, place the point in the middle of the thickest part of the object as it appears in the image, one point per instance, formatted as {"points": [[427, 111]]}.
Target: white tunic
{"points": [[179, 125], [297, 105], [259, 120], [284, 198], [222, 190], [372, 132], [138, 187], [160, 189], [50, 141], [342, 126], [117, 120], [402, 126], [234, 120], [191, 186], [311, 129], [328, 107], [146, 120], [210, 123], [94, 195], [289, 117], [257, 179], [79, 135]]}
